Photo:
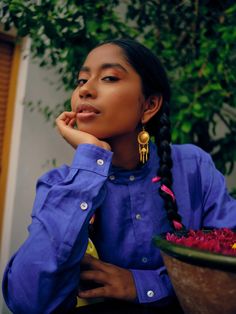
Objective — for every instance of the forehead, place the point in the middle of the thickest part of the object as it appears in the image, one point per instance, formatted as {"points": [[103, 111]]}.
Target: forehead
{"points": [[107, 53]]}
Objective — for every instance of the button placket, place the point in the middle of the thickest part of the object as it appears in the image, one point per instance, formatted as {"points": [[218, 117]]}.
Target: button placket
{"points": [[138, 217], [131, 178]]}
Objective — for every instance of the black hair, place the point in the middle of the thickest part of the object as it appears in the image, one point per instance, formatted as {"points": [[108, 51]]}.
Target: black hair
{"points": [[154, 82]]}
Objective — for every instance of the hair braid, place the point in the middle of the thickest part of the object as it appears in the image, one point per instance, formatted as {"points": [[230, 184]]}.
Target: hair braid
{"points": [[163, 140], [155, 82]]}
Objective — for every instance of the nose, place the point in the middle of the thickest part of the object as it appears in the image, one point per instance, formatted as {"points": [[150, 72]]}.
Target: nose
{"points": [[87, 90]]}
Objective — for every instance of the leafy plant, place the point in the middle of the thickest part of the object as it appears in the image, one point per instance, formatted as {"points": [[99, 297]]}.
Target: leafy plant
{"points": [[195, 40]]}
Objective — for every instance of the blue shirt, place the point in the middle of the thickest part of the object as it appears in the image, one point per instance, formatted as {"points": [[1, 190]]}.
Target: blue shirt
{"points": [[43, 276]]}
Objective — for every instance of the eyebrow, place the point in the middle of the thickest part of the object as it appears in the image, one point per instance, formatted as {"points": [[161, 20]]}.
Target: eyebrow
{"points": [[105, 66]]}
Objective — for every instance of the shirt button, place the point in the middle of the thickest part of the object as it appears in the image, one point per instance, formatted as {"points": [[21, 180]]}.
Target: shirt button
{"points": [[144, 259], [84, 206], [112, 178], [150, 293], [100, 162], [131, 178], [138, 216]]}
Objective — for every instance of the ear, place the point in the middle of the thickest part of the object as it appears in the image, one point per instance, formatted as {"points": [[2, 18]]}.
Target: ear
{"points": [[151, 106]]}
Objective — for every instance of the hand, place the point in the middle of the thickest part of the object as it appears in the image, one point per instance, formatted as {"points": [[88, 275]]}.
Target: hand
{"points": [[65, 124], [116, 282]]}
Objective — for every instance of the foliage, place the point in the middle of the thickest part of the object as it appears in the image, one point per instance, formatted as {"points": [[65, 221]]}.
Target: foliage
{"points": [[195, 40]]}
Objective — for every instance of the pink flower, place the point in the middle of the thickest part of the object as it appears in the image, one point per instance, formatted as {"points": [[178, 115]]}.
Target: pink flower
{"points": [[221, 241]]}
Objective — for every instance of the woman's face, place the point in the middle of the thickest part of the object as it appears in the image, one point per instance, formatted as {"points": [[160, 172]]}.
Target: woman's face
{"points": [[108, 99]]}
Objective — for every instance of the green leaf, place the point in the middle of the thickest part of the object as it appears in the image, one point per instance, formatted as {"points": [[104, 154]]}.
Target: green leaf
{"points": [[186, 126], [174, 135], [183, 99]]}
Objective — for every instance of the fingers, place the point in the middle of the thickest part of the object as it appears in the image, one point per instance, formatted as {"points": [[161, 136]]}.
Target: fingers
{"points": [[66, 115], [71, 123], [94, 275], [100, 292], [95, 263], [66, 118], [65, 124], [116, 282]]}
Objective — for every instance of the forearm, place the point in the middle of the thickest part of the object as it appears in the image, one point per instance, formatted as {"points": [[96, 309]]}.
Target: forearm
{"points": [[35, 283], [44, 274]]}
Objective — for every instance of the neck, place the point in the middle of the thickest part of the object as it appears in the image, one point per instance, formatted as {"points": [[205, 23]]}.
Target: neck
{"points": [[125, 151]]}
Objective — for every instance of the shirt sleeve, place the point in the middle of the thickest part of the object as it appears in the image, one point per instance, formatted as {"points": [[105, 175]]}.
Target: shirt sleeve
{"points": [[43, 276], [153, 286], [219, 207]]}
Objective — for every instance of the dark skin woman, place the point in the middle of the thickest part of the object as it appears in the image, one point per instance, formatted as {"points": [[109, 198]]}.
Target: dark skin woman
{"points": [[135, 187]]}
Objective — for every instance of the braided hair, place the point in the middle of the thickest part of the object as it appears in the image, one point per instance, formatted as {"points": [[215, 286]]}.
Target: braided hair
{"points": [[155, 82]]}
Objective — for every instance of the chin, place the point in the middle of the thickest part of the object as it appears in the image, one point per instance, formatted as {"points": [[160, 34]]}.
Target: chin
{"points": [[101, 135]]}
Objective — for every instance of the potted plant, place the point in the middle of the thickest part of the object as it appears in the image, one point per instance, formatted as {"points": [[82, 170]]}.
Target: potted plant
{"points": [[202, 268]]}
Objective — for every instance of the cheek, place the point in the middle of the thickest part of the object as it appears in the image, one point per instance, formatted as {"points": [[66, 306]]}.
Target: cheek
{"points": [[127, 110], [129, 98], [132, 104]]}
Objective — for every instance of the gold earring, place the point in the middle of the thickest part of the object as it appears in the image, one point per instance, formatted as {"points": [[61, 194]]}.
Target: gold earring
{"points": [[143, 140]]}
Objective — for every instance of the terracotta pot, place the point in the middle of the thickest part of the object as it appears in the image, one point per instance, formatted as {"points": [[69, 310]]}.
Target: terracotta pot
{"points": [[204, 282]]}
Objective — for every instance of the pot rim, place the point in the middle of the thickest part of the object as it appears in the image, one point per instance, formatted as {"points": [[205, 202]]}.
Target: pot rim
{"points": [[196, 256]]}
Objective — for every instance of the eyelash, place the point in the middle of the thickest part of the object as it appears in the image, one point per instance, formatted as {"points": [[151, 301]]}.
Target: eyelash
{"points": [[111, 78], [81, 82]]}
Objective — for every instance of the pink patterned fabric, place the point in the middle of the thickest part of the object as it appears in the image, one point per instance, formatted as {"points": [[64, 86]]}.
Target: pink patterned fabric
{"points": [[177, 225], [168, 191], [164, 187], [156, 179]]}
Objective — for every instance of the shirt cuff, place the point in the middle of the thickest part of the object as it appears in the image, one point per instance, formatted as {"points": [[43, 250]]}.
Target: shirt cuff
{"points": [[152, 285], [92, 158]]}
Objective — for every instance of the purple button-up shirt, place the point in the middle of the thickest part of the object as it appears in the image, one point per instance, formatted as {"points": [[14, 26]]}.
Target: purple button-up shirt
{"points": [[43, 275]]}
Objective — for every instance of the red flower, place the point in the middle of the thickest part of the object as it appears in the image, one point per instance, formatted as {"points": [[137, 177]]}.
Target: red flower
{"points": [[222, 241]]}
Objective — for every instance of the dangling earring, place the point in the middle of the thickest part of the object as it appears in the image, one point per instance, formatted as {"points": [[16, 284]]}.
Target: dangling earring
{"points": [[143, 140]]}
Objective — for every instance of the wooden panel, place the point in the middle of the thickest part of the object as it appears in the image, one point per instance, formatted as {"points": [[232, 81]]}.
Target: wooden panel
{"points": [[10, 53], [6, 56]]}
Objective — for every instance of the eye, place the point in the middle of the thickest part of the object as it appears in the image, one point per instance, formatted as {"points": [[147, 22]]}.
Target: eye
{"points": [[81, 82], [110, 78]]}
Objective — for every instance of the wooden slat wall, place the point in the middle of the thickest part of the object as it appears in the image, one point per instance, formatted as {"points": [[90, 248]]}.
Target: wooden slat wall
{"points": [[6, 58]]}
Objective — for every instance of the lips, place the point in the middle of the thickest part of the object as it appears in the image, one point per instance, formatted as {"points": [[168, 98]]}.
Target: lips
{"points": [[86, 112], [87, 108]]}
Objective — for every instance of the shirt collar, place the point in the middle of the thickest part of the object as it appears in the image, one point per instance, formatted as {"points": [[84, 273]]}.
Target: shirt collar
{"points": [[120, 175]]}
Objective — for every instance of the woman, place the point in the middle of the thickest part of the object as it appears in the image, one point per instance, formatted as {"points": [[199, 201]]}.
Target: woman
{"points": [[136, 189]]}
